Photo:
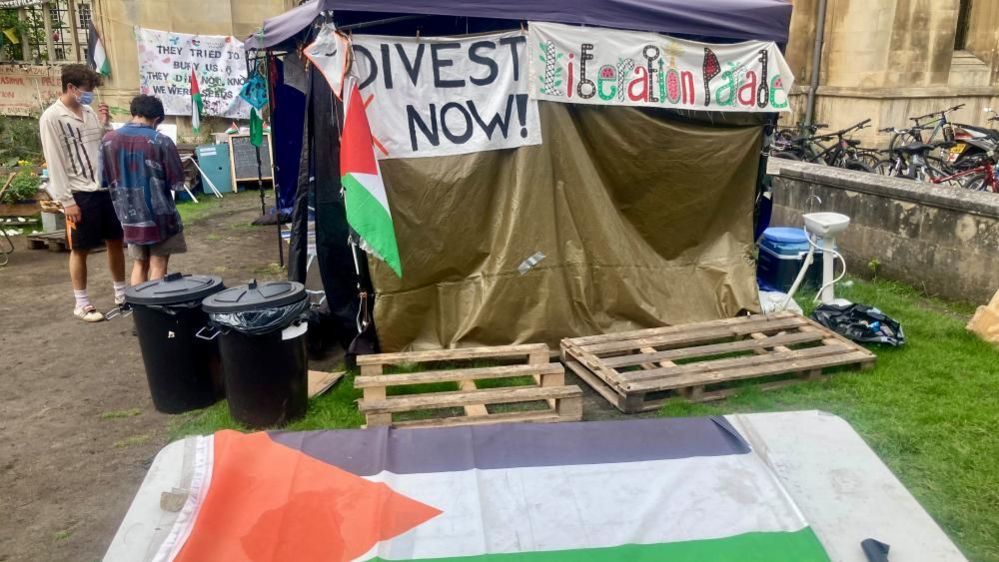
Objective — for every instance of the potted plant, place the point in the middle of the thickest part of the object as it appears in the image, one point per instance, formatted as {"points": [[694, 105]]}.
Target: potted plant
{"points": [[19, 193]]}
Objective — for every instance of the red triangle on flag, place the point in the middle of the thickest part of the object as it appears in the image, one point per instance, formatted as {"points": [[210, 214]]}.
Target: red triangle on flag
{"points": [[269, 502], [356, 153]]}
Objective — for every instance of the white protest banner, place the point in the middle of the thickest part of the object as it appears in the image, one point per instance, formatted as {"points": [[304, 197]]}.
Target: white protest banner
{"points": [[571, 64], [165, 63], [447, 95], [330, 54], [7, 4]]}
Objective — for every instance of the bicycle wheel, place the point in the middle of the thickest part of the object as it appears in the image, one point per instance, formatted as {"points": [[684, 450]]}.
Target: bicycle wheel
{"points": [[903, 139], [974, 182], [869, 158], [857, 166], [785, 155]]}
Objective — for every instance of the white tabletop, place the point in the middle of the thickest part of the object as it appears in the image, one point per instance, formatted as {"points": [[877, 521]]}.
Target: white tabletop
{"points": [[844, 490]]}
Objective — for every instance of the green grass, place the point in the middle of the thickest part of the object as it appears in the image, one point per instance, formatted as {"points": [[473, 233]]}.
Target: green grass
{"points": [[929, 409], [118, 414], [334, 410], [191, 212]]}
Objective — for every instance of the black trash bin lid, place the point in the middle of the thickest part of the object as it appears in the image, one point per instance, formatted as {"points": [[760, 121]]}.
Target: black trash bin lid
{"points": [[255, 297], [175, 288]]}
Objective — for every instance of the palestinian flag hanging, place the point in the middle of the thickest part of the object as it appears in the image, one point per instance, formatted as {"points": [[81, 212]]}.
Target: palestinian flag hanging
{"points": [[197, 105], [367, 204], [677, 490], [97, 56]]}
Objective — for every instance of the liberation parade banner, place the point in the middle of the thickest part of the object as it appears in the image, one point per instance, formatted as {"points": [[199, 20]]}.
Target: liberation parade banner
{"points": [[572, 64]]}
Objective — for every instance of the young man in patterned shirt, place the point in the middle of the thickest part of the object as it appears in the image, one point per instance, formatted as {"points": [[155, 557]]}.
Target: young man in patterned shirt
{"points": [[142, 168], [71, 134]]}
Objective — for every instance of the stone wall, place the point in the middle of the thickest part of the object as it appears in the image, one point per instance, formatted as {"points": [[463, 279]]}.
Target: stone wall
{"points": [[941, 239]]}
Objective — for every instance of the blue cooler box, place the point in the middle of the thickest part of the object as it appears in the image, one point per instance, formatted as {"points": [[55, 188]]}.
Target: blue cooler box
{"points": [[782, 253]]}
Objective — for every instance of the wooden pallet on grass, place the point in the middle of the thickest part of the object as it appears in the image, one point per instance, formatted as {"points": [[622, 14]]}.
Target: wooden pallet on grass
{"points": [[53, 241], [639, 371], [457, 390]]}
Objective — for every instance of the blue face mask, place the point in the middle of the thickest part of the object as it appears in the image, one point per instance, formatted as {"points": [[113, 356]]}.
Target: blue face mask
{"points": [[86, 98]]}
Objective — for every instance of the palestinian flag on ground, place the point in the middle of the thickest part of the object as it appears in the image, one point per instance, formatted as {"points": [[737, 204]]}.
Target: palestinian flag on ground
{"points": [[367, 204], [97, 57], [678, 490], [197, 106]]}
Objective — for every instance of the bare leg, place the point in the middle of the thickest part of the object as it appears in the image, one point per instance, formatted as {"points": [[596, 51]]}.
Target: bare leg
{"points": [[140, 272], [116, 259], [78, 269], [158, 266]]}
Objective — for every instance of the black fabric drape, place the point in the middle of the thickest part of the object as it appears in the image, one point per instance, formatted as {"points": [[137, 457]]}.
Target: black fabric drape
{"points": [[298, 252], [336, 262]]}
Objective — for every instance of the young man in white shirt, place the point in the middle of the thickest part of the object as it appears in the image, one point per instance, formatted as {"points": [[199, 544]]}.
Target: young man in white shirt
{"points": [[71, 132]]}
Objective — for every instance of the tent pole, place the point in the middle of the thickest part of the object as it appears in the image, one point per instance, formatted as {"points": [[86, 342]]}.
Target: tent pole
{"points": [[374, 23], [274, 166]]}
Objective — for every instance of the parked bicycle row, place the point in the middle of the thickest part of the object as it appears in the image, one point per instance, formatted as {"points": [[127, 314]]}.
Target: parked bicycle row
{"points": [[932, 149]]}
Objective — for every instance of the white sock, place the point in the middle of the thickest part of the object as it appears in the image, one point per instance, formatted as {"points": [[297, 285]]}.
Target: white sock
{"points": [[82, 300], [119, 290]]}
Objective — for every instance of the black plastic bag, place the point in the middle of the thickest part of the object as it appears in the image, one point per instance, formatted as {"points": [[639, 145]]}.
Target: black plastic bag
{"points": [[262, 320], [860, 323]]}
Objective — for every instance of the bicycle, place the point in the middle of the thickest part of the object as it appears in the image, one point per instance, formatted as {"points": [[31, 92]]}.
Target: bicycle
{"points": [[979, 178], [843, 153], [937, 124], [790, 142], [973, 143], [911, 161]]}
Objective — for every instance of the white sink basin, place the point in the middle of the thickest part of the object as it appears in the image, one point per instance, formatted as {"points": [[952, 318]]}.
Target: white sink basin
{"points": [[826, 225]]}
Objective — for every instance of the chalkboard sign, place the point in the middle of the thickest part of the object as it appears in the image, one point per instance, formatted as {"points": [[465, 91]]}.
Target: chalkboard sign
{"points": [[244, 158]]}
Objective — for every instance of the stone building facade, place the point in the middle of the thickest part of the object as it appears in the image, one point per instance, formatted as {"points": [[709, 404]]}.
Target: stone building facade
{"points": [[891, 59], [29, 78]]}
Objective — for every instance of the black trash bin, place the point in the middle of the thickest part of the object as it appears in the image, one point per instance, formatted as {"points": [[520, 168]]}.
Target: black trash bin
{"points": [[262, 341], [183, 371]]}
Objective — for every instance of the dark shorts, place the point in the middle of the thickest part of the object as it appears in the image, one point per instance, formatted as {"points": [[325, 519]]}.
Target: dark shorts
{"points": [[99, 222], [173, 245]]}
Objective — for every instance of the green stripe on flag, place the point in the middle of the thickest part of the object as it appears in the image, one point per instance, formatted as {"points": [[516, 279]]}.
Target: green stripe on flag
{"points": [[799, 546], [371, 221]]}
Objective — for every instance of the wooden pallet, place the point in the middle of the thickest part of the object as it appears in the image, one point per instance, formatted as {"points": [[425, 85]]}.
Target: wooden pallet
{"points": [[321, 381], [639, 371], [54, 241], [541, 394]]}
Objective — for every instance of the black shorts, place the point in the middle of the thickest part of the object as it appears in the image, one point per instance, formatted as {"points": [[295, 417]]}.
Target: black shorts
{"points": [[99, 222]]}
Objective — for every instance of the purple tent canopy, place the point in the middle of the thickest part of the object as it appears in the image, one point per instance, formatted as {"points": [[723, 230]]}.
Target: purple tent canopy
{"points": [[724, 19]]}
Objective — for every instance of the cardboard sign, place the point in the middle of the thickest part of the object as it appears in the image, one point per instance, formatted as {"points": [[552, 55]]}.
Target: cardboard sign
{"points": [[572, 64], [165, 63], [439, 96], [28, 89]]}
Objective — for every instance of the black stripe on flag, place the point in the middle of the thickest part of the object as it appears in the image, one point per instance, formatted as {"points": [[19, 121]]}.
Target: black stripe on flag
{"points": [[92, 46], [409, 451]]}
